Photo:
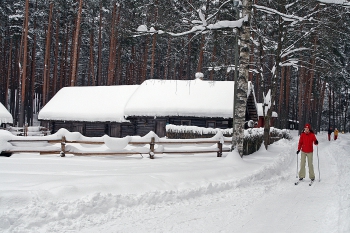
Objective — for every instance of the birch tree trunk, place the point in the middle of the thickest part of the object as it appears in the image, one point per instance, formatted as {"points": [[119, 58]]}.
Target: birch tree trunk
{"points": [[242, 82]]}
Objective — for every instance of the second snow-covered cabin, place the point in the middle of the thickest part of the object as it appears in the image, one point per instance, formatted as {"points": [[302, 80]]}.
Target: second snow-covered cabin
{"points": [[5, 116], [157, 103], [93, 111]]}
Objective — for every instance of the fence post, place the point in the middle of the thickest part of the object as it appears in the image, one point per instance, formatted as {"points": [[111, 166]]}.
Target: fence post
{"points": [[151, 153], [248, 152], [220, 149], [25, 129], [63, 147]]}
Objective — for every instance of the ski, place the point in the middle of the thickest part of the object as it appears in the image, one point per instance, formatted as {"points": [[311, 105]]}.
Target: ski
{"points": [[296, 183]]}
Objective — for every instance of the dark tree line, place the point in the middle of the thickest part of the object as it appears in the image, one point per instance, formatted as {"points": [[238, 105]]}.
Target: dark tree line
{"points": [[298, 51]]}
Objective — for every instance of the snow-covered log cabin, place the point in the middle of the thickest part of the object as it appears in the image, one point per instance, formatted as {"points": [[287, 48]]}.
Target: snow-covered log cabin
{"points": [[93, 111], [5, 116], [124, 110]]}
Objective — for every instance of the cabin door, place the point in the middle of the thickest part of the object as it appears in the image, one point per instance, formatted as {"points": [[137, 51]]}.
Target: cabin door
{"points": [[160, 128], [79, 127]]}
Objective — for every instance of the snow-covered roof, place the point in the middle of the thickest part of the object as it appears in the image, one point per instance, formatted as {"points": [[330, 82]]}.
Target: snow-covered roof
{"points": [[95, 103], [196, 98], [5, 115], [260, 110]]}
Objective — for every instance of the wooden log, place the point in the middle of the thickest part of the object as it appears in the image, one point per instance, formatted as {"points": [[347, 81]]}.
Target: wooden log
{"points": [[63, 147], [151, 153], [219, 153]]}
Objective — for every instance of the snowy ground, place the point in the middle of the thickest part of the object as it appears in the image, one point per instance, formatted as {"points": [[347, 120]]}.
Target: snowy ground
{"points": [[177, 193]]}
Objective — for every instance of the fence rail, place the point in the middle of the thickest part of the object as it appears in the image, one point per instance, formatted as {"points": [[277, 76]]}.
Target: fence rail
{"points": [[47, 146]]}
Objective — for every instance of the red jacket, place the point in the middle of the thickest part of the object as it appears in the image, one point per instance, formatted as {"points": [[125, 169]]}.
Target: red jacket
{"points": [[306, 142]]}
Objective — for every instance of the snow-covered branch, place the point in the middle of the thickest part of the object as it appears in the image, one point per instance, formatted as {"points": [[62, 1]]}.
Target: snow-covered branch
{"points": [[197, 29], [293, 51], [284, 16], [337, 2]]}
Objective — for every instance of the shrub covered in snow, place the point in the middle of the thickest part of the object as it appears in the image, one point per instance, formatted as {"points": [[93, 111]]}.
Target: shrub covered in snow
{"points": [[253, 137]]}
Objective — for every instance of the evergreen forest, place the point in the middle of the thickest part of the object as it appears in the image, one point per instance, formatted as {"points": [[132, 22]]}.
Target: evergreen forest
{"points": [[298, 49]]}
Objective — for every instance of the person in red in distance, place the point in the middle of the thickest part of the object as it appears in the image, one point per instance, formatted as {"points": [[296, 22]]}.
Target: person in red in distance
{"points": [[306, 141]]}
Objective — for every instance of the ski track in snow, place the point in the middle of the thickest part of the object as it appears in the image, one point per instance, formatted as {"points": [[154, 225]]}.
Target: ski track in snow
{"points": [[285, 207], [265, 201]]}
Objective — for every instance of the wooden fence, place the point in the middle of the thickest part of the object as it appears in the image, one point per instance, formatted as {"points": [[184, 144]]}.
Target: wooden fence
{"points": [[166, 146], [29, 131]]}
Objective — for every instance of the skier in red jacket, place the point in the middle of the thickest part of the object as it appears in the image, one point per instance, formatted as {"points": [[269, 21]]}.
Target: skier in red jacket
{"points": [[306, 141]]}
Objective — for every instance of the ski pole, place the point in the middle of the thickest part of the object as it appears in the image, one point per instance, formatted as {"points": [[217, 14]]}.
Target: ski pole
{"points": [[318, 163], [297, 166]]}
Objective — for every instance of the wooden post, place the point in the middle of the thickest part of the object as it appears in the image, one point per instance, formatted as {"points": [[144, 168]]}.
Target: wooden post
{"points": [[25, 129], [220, 149], [63, 147], [247, 148], [151, 153]]}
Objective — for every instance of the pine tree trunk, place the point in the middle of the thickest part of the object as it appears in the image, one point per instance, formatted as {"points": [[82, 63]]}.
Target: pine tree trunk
{"points": [[118, 71], [76, 46], [64, 76], [213, 57], [201, 55], [91, 80], [188, 58], [132, 79], [167, 63], [55, 68], [99, 59], [47, 57], [145, 61], [24, 66], [9, 70], [33, 75], [154, 39], [112, 47], [300, 95]]}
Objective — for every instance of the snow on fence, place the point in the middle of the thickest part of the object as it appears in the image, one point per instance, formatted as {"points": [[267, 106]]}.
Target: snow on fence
{"points": [[64, 142], [186, 132], [29, 131]]}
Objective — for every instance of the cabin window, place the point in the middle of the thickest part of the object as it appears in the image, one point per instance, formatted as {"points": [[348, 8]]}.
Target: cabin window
{"points": [[211, 124], [185, 122]]}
